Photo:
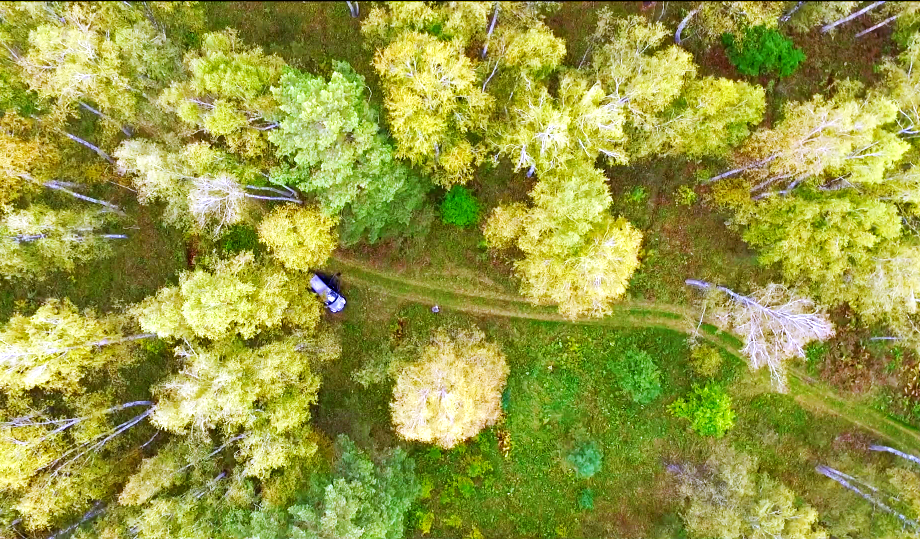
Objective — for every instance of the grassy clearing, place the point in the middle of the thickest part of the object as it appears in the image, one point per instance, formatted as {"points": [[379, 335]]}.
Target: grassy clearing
{"points": [[562, 393]]}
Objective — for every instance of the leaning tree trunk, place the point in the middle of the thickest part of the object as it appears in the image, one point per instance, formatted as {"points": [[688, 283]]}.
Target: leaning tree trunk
{"points": [[788, 15], [877, 26], [683, 23], [850, 17], [59, 186], [841, 478], [485, 46]]}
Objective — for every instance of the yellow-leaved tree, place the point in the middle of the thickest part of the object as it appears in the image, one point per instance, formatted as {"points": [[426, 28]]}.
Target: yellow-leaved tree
{"points": [[453, 391], [576, 255], [299, 238]]}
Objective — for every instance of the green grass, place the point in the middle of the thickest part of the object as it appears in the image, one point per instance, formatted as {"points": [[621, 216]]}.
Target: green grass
{"points": [[561, 393]]}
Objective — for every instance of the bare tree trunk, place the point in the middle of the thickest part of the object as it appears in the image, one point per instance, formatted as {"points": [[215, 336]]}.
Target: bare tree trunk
{"points": [[353, 8], [683, 23], [788, 15], [102, 342], [485, 47], [94, 511], [124, 128], [757, 164], [91, 146], [893, 451], [850, 17], [59, 187], [877, 26], [839, 477]]}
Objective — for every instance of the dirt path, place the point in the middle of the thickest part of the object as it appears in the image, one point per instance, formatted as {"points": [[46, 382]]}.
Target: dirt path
{"points": [[626, 314]]}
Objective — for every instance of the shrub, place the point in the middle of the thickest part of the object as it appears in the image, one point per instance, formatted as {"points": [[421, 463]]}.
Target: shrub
{"points": [[762, 50], [638, 376], [685, 196], [460, 207], [705, 360], [637, 195], [586, 499], [709, 410], [586, 460]]}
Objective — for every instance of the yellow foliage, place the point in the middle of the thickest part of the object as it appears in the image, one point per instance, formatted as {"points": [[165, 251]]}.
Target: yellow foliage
{"points": [[453, 391], [300, 238]]}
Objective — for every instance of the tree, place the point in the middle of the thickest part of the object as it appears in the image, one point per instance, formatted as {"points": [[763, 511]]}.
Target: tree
{"points": [[840, 136], [453, 391], [826, 240], [236, 297], [54, 347], [812, 14], [774, 322], [363, 501], [262, 394], [716, 18], [70, 425], [37, 240], [896, 492], [541, 134], [709, 119], [432, 102], [728, 498], [227, 92], [299, 238], [330, 132], [199, 183], [575, 254], [111, 56], [645, 83]]}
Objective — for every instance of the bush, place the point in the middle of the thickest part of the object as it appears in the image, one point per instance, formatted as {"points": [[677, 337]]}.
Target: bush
{"points": [[709, 410], [685, 196], [705, 360], [460, 207], [586, 499], [586, 460], [638, 376], [762, 50]]}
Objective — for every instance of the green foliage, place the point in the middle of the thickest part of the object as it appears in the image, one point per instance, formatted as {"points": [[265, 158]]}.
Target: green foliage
{"points": [[705, 360], [363, 499], [708, 409], [685, 196], [637, 195], [586, 499], [239, 238], [638, 376], [762, 50], [587, 459], [460, 207], [330, 133], [236, 297]]}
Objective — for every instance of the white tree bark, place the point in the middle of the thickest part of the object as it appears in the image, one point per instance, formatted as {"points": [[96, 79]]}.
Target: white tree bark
{"points": [[683, 24], [775, 326], [877, 26], [850, 17], [843, 479]]}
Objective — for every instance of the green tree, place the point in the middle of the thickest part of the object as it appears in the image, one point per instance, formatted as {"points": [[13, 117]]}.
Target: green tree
{"points": [[708, 408], [712, 19], [453, 391], [727, 497], [330, 132], [299, 238], [236, 297], [37, 240], [363, 501]]}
